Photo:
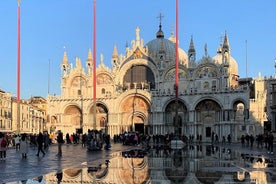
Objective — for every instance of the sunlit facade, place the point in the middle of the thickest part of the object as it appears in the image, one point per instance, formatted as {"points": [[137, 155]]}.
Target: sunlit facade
{"points": [[137, 93], [5, 112]]}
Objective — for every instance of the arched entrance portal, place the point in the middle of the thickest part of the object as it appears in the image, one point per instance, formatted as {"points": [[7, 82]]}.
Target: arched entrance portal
{"points": [[207, 118], [72, 119], [101, 117], [176, 124], [138, 123], [134, 112]]}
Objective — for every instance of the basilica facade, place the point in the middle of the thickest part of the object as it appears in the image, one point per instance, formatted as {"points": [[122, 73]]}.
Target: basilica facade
{"points": [[138, 92]]}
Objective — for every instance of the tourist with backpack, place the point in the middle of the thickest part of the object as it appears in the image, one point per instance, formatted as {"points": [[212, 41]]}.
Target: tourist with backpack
{"points": [[3, 146]]}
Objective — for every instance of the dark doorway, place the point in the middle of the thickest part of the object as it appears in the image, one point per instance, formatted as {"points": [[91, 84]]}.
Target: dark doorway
{"points": [[208, 131], [139, 127], [267, 126]]}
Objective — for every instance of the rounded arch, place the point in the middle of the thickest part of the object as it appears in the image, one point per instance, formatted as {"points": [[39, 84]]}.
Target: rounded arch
{"points": [[138, 117], [78, 81], [208, 112], [240, 110], [101, 115], [134, 102], [72, 117], [138, 74], [206, 70], [200, 100], [71, 109], [135, 111], [174, 119], [104, 78], [171, 104], [170, 74], [208, 105], [237, 101], [138, 62]]}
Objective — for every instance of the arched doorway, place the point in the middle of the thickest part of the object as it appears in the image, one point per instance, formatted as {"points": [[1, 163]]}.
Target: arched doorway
{"points": [[101, 117], [134, 110], [207, 117], [176, 124], [72, 119]]}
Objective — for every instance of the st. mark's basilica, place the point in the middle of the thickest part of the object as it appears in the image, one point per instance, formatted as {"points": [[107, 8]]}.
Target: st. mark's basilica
{"points": [[138, 92]]}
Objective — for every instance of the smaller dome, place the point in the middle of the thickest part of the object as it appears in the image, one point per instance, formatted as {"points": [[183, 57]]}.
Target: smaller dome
{"points": [[232, 63]]}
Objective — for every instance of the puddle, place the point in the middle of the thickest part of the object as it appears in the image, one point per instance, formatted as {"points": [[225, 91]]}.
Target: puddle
{"points": [[204, 164]]}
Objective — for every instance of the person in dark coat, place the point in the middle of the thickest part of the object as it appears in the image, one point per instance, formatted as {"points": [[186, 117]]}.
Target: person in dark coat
{"points": [[60, 142], [40, 140]]}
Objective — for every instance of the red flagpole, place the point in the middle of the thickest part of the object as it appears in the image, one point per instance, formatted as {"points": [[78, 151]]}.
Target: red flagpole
{"points": [[18, 51], [176, 53], [94, 64], [176, 77]]}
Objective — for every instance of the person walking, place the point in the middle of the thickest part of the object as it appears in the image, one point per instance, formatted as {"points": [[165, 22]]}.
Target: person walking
{"points": [[3, 146], [270, 143], [24, 146], [17, 142], [40, 141], [60, 142]]}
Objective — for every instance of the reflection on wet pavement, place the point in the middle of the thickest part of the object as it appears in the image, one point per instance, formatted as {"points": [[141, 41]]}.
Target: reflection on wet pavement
{"points": [[193, 164]]}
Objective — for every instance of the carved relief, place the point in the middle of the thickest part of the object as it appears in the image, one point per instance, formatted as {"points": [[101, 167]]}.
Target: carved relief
{"points": [[134, 103], [78, 82], [104, 79], [170, 76], [137, 54], [206, 72]]}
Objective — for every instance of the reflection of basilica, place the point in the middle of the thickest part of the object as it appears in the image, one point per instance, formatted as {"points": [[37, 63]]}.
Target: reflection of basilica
{"points": [[195, 164], [137, 93]]}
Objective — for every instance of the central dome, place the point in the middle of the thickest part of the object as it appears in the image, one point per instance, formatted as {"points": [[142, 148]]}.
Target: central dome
{"points": [[164, 49]]}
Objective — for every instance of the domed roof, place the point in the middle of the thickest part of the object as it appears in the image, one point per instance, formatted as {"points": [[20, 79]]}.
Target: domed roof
{"points": [[166, 46], [232, 63]]}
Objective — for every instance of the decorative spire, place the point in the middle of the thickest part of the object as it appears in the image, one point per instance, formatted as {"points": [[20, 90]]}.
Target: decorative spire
{"points": [[160, 33], [191, 47], [115, 52], [89, 59], [191, 51], [226, 46], [65, 59]]}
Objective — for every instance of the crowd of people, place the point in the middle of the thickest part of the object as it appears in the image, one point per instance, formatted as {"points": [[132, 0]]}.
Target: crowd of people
{"points": [[96, 140], [92, 140]]}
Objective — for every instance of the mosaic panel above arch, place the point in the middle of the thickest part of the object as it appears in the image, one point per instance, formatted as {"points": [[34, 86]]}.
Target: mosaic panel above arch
{"points": [[170, 75], [103, 79], [171, 107], [134, 103], [100, 108], [208, 105], [72, 109], [138, 74], [206, 72], [78, 82]]}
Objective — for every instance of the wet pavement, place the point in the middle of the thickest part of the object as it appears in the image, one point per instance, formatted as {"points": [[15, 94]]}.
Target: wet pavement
{"points": [[14, 168]]}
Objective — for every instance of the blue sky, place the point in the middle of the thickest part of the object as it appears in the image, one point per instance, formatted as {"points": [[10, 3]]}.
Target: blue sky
{"points": [[49, 26]]}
